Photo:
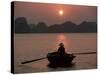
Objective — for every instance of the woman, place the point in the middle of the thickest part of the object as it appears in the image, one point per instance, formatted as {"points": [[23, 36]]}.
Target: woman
{"points": [[61, 49]]}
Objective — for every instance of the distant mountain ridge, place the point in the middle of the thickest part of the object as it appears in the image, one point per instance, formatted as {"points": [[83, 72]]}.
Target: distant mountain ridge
{"points": [[21, 26]]}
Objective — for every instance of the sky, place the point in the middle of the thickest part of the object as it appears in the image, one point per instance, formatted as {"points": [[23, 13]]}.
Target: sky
{"points": [[49, 13]]}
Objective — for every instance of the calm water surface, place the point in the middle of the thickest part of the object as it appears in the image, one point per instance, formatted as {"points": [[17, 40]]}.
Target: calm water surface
{"points": [[33, 46]]}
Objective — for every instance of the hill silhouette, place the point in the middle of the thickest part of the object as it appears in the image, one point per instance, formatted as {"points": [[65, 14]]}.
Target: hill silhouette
{"points": [[87, 27], [21, 26], [41, 27]]}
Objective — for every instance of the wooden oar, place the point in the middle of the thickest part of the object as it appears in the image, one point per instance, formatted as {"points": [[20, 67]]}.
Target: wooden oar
{"points": [[46, 57], [85, 53], [33, 60]]}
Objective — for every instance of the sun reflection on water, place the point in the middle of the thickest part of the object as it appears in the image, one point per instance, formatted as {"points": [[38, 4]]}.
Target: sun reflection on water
{"points": [[61, 38]]}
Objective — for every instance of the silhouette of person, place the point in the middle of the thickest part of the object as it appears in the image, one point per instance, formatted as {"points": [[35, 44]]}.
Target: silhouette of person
{"points": [[61, 49]]}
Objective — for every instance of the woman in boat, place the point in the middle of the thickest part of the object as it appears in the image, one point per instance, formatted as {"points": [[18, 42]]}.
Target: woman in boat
{"points": [[61, 49]]}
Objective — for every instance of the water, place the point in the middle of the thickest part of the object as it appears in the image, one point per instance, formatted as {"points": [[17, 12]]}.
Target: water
{"points": [[33, 46]]}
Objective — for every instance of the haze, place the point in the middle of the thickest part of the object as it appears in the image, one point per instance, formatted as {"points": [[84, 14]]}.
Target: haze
{"points": [[49, 13]]}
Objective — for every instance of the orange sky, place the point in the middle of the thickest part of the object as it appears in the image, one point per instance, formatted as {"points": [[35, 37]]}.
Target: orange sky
{"points": [[49, 13]]}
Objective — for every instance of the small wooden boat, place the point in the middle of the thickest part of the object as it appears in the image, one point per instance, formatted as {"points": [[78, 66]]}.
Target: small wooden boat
{"points": [[57, 60]]}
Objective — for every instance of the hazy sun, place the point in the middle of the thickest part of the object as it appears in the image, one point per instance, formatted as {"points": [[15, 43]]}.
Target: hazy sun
{"points": [[61, 12]]}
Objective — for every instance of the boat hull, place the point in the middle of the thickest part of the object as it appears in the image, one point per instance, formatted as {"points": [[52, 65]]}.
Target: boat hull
{"points": [[56, 59]]}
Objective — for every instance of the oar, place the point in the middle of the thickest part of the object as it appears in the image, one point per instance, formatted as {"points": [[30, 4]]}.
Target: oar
{"points": [[85, 53], [46, 57], [33, 60]]}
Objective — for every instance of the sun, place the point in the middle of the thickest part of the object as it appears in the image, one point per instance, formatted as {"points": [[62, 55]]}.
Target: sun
{"points": [[61, 12]]}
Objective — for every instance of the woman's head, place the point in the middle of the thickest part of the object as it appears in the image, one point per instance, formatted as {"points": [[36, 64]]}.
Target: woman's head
{"points": [[61, 44]]}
